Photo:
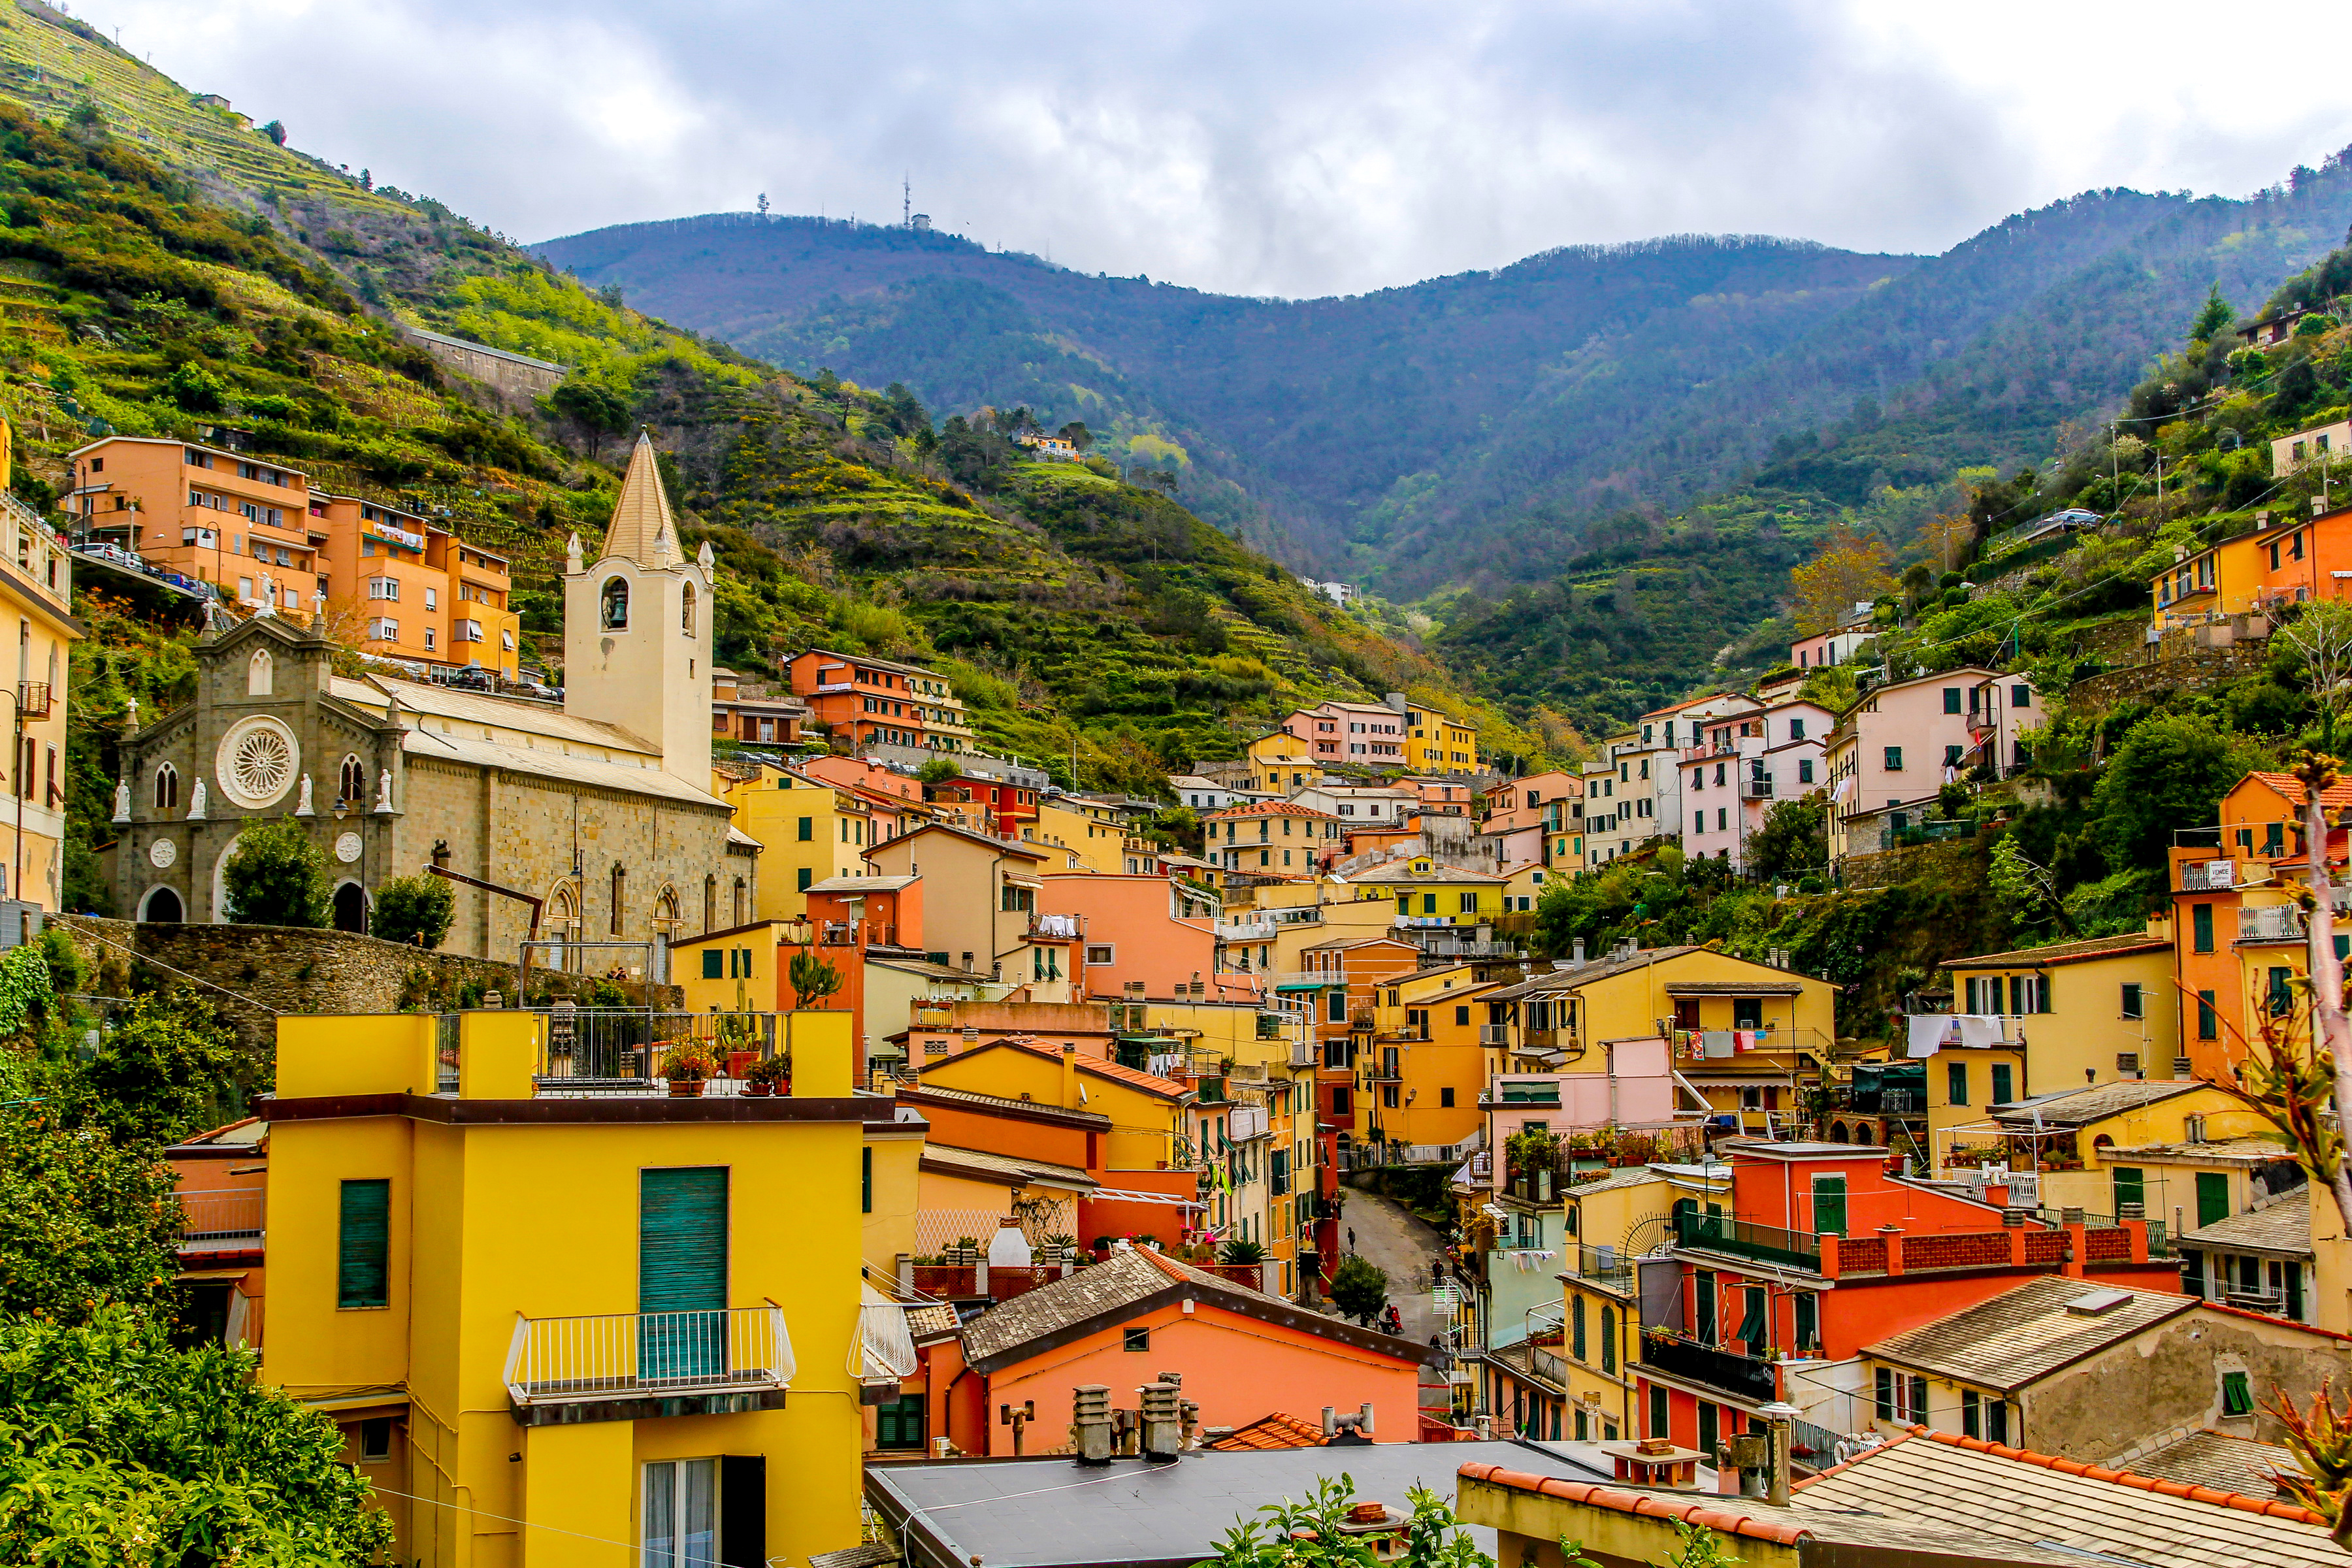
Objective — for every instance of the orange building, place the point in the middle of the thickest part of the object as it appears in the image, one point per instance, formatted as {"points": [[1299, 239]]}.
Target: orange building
{"points": [[875, 702], [2259, 843], [760, 721], [1240, 1353], [222, 1191], [263, 536], [1145, 936]]}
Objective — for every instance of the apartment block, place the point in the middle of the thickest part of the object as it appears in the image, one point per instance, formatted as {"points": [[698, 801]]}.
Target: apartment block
{"points": [[875, 702]]}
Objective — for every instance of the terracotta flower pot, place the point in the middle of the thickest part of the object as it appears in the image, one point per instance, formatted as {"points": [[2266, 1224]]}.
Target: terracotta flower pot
{"points": [[759, 1091], [685, 1088]]}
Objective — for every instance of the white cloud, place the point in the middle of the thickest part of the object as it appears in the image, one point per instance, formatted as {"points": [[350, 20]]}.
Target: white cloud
{"points": [[1259, 148]]}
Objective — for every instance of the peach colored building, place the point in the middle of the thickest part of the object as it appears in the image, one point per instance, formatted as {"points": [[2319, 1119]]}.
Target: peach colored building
{"points": [[1145, 936], [262, 535], [1242, 1355]]}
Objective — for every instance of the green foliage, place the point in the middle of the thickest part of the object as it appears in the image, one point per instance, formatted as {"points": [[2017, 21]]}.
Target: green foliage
{"points": [[26, 988], [1793, 838], [1314, 1533], [1697, 1546], [1360, 1288], [83, 1219], [416, 909], [117, 1447], [813, 979], [1241, 1251], [279, 877], [166, 1069], [2171, 771]]}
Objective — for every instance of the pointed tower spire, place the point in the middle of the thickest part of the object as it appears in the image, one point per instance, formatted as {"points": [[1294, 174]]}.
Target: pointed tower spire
{"points": [[643, 530]]}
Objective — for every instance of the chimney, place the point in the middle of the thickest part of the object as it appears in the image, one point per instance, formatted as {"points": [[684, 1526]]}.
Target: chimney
{"points": [[1090, 1423], [1163, 1421], [1069, 1075], [1576, 951]]}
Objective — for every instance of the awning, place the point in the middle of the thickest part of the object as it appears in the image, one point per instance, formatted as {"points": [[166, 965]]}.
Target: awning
{"points": [[1308, 984], [1734, 988], [1119, 1196]]}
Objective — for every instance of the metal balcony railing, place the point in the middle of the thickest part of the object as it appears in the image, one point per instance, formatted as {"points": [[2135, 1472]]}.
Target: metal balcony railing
{"points": [[221, 1216], [2199, 876], [619, 1355], [1746, 1376], [1306, 1054], [1745, 1239], [33, 698], [1758, 789], [2281, 922], [1494, 1033], [1609, 1267], [621, 1049]]}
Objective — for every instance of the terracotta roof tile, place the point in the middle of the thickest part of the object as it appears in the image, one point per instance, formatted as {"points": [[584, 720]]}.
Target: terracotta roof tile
{"points": [[1275, 1431]]}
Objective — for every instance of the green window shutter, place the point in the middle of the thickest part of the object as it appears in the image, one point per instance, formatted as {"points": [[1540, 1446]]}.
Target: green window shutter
{"points": [[1753, 1328], [808, 829], [2237, 1399], [1609, 1338], [682, 1240], [2293, 1278], [1886, 1394], [714, 963], [2131, 1187], [801, 879], [1956, 1083], [1709, 1426], [1576, 1327], [2200, 926], [1809, 1321], [1829, 1206], [1702, 1301], [1971, 1423], [1661, 1413], [2207, 1020], [2003, 1077], [1919, 1399], [2042, 993], [2213, 1198], [866, 1182], [363, 1246]]}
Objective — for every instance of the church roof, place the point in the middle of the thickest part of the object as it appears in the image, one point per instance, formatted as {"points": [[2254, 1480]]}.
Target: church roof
{"points": [[550, 763], [520, 715], [642, 528]]}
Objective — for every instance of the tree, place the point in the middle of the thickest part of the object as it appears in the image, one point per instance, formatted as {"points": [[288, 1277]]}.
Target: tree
{"points": [[1849, 569], [117, 1447], [596, 410], [1359, 1288], [1793, 837], [83, 1218], [1077, 434], [416, 909], [279, 877], [939, 771], [812, 979], [2213, 316], [2171, 770], [167, 1070], [2321, 637], [275, 132], [1238, 1251], [2023, 886]]}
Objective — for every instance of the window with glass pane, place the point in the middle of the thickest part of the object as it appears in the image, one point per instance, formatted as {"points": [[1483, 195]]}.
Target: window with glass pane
{"points": [[682, 1514]]}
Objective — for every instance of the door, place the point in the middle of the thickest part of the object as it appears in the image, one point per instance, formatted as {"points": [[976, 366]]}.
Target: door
{"points": [[682, 1274], [2131, 1187], [2213, 1198]]}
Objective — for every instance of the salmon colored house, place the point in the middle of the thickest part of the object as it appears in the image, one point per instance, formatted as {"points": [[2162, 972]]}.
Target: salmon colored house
{"points": [[874, 703], [1140, 931], [1241, 1355]]}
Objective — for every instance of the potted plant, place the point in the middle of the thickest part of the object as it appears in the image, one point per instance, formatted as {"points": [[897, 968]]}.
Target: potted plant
{"points": [[770, 1075], [1060, 1246], [686, 1067]]}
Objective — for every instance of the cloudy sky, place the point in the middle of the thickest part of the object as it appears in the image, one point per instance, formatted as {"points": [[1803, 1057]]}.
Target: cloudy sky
{"points": [[1268, 148]]}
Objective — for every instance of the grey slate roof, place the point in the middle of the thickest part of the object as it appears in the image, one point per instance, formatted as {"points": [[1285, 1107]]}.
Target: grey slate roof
{"points": [[2081, 1107], [2026, 1333], [2219, 1461], [1945, 1481], [2284, 1228]]}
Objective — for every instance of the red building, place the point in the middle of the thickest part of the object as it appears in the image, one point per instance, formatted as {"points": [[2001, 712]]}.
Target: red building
{"points": [[874, 703], [1823, 1252]]}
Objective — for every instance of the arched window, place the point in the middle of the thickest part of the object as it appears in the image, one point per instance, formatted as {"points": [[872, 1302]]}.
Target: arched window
{"points": [[167, 788], [740, 893], [620, 895], [260, 674], [615, 605], [686, 612], [351, 782], [710, 902]]}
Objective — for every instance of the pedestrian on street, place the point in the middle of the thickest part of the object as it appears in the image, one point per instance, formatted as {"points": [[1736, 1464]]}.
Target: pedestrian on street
{"points": [[1351, 1238]]}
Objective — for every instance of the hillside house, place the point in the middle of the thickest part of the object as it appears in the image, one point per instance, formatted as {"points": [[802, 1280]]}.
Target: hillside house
{"points": [[874, 703], [1897, 746], [1742, 764]]}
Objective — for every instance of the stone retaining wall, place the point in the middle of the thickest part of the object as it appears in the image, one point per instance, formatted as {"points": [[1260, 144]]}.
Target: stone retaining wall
{"points": [[255, 972], [2192, 668]]}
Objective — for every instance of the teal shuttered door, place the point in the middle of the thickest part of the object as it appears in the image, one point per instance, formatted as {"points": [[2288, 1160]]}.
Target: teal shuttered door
{"points": [[682, 1274]]}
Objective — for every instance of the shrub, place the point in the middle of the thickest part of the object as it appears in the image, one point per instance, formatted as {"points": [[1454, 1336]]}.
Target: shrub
{"points": [[1359, 1288], [415, 909], [278, 878]]}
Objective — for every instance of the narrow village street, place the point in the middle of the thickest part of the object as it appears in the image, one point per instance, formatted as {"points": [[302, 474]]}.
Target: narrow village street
{"points": [[1387, 1236]]}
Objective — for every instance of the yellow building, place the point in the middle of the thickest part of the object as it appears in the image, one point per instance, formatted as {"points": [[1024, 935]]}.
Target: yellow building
{"points": [[1523, 887], [1435, 743], [36, 591], [1428, 893], [1421, 1080], [2070, 1146], [1747, 1037], [1281, 762], [1144, 1111], [735, 970], [1092, 836], [576, 1328], [809, 831]]}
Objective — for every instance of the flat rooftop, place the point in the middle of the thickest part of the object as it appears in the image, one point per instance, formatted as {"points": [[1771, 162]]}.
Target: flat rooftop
{"points": [[1132, 1513]]}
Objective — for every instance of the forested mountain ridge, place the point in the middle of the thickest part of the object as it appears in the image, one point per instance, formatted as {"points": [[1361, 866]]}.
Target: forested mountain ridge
{"points": [[1095, 627]]}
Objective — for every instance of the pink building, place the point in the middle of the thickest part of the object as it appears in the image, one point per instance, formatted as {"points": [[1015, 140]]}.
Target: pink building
{"points": [[1744, 764], [1900, 743], [1144, 931], [1635, 1092]]}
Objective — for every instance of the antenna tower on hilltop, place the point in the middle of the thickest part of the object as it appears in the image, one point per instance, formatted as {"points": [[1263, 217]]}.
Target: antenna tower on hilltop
{"points": [[905, 202]]}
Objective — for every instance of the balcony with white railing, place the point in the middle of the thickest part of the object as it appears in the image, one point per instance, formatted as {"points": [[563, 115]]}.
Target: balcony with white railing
{"points": [[223, 1221], [2205, 876], [618, 1361], [2279, 922]]}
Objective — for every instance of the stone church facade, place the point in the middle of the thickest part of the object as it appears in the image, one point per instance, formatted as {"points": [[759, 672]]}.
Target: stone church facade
{"points": [[600, 807]]}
